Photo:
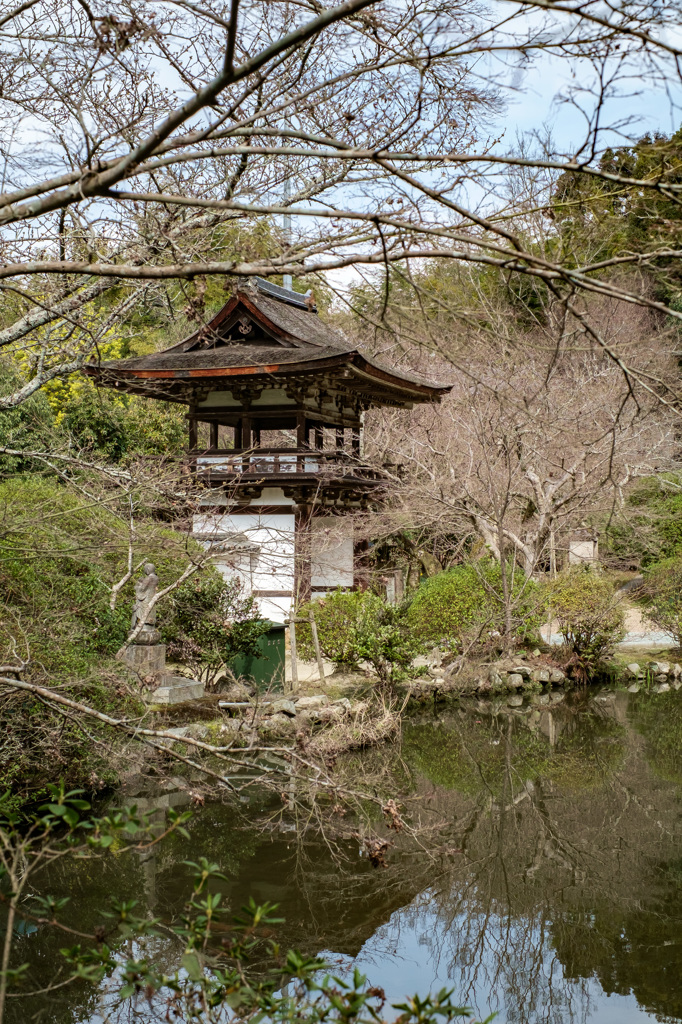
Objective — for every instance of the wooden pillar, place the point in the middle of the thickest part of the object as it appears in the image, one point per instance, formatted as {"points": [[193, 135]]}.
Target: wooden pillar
{"points": [[340, 437], [355, 441], [246, 431], [292, 652], [361, 565], [302, 546], [193, 433], [319, 436], [213, 442], [255, 437], [316, 643], [238, 435], [301, 433]]}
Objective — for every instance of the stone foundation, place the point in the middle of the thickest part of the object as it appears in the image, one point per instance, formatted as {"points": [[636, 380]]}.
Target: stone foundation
{"points": [[177, 689], [662, 673], [146, 660]]}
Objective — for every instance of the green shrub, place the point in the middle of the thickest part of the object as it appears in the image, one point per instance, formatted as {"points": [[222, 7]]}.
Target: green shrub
{"points": [[663, 596], [211, 622], [355, 626], [590, 616], [116, 428], [58, 558], [464, 605], [28, 427], [60, 553], [649, 526]]}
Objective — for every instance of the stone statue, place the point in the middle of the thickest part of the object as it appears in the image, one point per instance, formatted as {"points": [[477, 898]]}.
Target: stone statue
{"points": [[146, 654], [145, 589]]}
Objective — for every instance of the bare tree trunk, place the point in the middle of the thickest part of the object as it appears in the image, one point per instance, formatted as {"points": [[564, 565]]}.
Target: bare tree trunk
{"points": [[6, 951], [506, 589]]}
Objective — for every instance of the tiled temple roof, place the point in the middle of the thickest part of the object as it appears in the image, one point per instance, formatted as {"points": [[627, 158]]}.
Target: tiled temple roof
{"points": [[258, 333]]}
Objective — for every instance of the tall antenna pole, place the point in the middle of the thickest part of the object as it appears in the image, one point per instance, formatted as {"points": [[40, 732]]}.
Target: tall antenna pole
{"points": [[286, 224]]}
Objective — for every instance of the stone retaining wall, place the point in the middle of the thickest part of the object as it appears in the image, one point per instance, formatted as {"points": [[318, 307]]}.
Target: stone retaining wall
{"points": [[664, 674]]}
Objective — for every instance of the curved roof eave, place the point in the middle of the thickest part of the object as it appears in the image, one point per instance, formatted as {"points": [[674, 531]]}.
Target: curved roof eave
{"points": [[358, 364]]}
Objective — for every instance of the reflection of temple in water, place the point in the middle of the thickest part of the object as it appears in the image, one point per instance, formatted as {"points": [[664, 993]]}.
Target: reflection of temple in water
{"points": [[546, 875]]}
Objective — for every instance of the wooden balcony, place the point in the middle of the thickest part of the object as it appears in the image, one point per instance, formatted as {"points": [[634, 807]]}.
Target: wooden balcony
{"points": [[283, 466]]}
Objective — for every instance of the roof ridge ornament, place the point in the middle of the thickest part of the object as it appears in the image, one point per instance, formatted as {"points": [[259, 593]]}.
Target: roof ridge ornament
{"points": [[288, 295], [250, 285]]}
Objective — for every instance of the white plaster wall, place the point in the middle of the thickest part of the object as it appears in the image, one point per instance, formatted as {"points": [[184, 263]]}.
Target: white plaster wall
{"points": [[236, 565], [223, 399], [580, 551], [277, 609], [272, 496], [269, 568], [331, 552]]}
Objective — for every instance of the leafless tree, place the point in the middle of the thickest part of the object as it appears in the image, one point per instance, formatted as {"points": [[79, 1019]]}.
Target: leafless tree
{"points": [[141, 143], [540, 434]]}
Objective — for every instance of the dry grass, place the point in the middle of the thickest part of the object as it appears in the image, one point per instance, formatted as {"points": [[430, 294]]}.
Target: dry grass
{"points": [[369, 723]]}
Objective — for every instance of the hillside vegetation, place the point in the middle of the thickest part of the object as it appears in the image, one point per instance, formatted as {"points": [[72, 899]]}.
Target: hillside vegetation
{"points": [[61, 550]]}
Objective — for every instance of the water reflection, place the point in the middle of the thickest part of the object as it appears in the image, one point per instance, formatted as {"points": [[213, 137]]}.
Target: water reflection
{"points": [[568, 887], [545, 883]]}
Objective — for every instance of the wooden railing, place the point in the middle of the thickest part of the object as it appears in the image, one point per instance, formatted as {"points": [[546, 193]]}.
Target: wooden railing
{"points": [[222, 464]]}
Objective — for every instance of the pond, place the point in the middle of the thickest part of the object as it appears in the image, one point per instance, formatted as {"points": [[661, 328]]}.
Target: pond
{"points": [[544, 880]]}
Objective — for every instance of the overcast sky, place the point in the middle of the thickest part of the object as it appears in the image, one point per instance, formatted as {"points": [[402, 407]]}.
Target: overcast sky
{"points": [[539, 104]]}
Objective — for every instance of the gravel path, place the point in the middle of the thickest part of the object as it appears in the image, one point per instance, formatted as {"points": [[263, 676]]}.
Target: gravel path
{"points": [[640, 632]]}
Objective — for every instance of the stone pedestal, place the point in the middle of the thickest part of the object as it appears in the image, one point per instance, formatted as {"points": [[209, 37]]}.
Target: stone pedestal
{"points": [[148, 661], [148, 635], [176, 689]]}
